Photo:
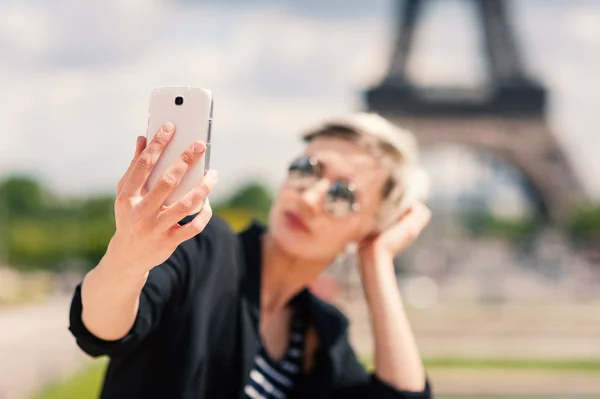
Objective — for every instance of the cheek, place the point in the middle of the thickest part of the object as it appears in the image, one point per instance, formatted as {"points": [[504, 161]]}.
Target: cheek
{"points": [[286, 196], [356, 228], [334, 235]]}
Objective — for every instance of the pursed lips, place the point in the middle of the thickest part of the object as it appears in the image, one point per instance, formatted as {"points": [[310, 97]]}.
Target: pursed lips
{"points": [[296, 222]]}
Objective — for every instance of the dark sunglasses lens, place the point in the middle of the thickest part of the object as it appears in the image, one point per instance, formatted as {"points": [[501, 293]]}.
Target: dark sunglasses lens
{"points": [[340, 199], [303, 172], [303, 166]]}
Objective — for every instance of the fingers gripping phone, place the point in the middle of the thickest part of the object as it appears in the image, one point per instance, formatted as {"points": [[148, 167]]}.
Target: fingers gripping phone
{"points": [[190, 110]]}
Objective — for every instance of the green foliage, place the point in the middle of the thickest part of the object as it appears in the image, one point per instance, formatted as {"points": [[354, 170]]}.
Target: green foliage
{"points": [[575, 365], [485, 224], [22, 195], [474, 363], [85, 384], [584, 225], [41, 231], [253, 197], [238, 219]]}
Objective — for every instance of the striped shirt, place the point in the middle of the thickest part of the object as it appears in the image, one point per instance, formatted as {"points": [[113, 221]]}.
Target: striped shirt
{"points": [[276, 379]]}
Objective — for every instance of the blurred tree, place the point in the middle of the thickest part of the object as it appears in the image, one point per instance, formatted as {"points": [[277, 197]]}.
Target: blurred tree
{"points": [[98, 207], [584, 225], [486, 224], [255, 197], [22, 195], [52, 233], [238, 219]]}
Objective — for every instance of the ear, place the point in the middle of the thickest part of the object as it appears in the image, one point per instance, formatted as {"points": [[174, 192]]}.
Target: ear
{"points": [[416, 190]]}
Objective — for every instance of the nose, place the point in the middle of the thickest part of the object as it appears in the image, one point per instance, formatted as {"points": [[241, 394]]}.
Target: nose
{"points": [[312, 197]]}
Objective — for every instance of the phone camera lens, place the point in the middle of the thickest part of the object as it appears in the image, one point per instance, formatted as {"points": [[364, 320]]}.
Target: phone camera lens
{"points": [[178, 100]]}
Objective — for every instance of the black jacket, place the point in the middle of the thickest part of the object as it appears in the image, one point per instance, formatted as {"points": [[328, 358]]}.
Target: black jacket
{"points": [[196, 332]]}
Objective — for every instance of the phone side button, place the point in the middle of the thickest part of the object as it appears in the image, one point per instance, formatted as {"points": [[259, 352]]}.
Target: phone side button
{"points": [[209, 131]]}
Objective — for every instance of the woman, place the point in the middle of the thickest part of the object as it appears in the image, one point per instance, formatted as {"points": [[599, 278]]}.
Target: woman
{"points": [[191, 310]]}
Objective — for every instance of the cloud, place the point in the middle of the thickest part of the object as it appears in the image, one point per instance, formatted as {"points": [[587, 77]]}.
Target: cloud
{"points": [[62, 34], [313, 9], [583, 25], [76, 114], [25, 33], [76, 79]]}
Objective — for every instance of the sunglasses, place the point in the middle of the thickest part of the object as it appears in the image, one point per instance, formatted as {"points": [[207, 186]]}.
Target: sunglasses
{"points": [[340, 199]]}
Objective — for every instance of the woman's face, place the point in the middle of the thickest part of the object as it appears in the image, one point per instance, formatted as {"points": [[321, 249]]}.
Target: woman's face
{"points": [[301, 222]]}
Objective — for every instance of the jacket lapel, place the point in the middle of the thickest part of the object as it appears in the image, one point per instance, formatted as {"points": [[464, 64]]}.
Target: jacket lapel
{"points": [[249, 343], [249, 301]]}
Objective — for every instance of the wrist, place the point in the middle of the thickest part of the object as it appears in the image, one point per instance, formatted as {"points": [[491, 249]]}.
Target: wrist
{"points": [[116, 261], [377, 270], [376, 255]]}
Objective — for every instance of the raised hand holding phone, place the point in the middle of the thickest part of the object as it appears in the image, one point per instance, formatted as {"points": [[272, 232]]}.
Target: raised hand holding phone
{"points": [[165, 182], [166, 179], [147, 230]]}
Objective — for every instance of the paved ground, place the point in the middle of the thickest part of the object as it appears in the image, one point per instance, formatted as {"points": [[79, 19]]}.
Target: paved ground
{"points": [[570, 331], [507, 331], [509, 384], [35, 347]]}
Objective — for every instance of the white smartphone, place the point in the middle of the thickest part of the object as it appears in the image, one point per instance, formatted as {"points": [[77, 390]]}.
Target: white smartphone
{"points": [[190, 110]]}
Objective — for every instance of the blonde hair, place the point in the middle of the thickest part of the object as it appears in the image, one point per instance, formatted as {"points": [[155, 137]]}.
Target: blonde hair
{"points": [[396, 149]]}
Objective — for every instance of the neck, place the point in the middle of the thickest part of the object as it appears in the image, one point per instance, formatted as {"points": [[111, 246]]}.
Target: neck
{"points": [[283, 276]]}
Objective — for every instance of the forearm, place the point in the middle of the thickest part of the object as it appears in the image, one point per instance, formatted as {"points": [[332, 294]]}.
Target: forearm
{"points": [[110, 296], [397, 358]]}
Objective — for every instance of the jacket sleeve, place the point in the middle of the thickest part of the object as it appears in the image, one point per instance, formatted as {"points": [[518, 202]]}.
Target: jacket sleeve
{"points": [[354, 382], [165, 288]]}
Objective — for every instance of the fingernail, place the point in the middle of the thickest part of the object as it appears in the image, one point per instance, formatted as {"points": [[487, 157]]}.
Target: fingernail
{"points": [[199, 147], [168, 127]]}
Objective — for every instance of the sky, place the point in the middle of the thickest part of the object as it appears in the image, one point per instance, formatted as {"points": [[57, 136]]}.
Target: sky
{"points": [[76, 78]]}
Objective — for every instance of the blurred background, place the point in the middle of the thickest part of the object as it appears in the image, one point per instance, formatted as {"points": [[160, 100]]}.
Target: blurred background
{"points": [[503, 288]]}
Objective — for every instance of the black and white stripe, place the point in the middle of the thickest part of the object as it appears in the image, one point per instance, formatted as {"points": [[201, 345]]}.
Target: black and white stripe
{"points": [[275, 380]]}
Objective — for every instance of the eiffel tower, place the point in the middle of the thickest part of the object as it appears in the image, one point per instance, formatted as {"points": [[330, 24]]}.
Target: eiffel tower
{"points": [[505, 116]]}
